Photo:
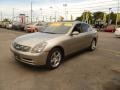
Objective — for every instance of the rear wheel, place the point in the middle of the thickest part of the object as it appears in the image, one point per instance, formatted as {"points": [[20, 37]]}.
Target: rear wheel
{"points": [[93, 45], [54, 58]]}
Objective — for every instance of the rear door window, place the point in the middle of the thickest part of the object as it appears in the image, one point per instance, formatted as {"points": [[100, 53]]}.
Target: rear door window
{"points": [[84, 27], [77, 28]]}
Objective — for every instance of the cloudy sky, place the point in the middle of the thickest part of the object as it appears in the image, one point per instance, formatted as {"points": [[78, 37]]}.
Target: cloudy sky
{"points": [[74, 7]]}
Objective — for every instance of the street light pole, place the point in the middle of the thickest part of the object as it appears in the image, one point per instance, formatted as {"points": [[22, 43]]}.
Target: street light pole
{"points": [[41, 14], [117, 18], [1, 15], [13, 14], [57, 10], [55, 16], [51, 14], [65, 5], [31, 12], [109, 16]]}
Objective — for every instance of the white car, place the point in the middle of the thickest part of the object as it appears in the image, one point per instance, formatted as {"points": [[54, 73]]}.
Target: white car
{"points": [[9, 26], [117, 32]]}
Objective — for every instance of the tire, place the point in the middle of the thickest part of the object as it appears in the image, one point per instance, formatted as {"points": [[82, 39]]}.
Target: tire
{"points": [[93, 45], [35, 30], [54, 58]]}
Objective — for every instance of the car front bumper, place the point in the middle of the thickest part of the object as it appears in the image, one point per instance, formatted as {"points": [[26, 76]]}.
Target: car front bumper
{"points": [[30, 29], [30, 58]]}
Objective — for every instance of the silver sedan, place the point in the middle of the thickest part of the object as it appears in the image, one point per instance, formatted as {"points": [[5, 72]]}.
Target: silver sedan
{"points": [[49, 47]]}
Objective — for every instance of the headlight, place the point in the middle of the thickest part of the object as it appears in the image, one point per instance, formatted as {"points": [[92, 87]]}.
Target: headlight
{"points": [[38, 48], [21, 47]]}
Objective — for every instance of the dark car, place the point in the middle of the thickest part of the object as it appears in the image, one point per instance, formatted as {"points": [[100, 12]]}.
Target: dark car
{"points": [[3, 24], [0, 24], [99, 24]]}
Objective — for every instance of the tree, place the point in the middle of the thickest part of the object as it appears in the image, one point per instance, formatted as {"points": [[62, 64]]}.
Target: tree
{"points": [[79, 18], [98, 15], [112, 16], [118, 19], [5, 20], [85, 17]]}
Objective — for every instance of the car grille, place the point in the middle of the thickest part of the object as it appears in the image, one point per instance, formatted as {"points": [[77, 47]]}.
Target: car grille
{"points": [[21, 47]]}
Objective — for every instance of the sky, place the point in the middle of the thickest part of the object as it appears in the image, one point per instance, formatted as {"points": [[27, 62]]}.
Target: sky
{"points": [[74, 7]]}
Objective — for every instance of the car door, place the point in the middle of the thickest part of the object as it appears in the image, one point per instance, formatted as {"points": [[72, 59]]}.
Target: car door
{"points": [[74, 42], [39, 26], [86, 33]]}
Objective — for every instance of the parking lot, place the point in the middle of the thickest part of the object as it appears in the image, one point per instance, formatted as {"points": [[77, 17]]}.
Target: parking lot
{"points": [[82, 71]]}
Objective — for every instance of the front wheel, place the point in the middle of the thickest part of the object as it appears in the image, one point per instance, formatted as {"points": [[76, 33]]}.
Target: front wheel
{"points": [[93, 45], [54, 58]]}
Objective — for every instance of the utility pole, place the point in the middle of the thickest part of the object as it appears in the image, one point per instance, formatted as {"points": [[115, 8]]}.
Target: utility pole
{"points": [[55, 16], [65, 5], [117, 18], [51, 14], [43, 19], [13, 14], [41, 14], [1, 15], [71, 17], [109, 21], [31, 12], [57, 9]]}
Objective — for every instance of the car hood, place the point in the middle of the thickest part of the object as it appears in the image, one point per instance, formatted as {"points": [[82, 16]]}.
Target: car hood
{"points": [[30, 25], [35, 38]]}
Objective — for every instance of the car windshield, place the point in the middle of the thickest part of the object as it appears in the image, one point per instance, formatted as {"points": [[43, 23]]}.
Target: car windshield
{"points": [[58, 28]]}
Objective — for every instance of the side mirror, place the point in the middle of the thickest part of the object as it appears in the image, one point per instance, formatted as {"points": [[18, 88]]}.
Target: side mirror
{"points": [[75, 33]]}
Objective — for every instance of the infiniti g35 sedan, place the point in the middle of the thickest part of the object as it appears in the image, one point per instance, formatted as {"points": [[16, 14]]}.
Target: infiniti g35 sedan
{"points": [[49, 47]]}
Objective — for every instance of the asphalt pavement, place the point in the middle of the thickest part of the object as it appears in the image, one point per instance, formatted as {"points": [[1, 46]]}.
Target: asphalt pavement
{"points": [[82, 71]]}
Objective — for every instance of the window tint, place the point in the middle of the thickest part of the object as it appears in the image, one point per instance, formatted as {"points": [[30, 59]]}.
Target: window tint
{"points": [[84, 27], [58, 28], [90, 28], [77, 28]]}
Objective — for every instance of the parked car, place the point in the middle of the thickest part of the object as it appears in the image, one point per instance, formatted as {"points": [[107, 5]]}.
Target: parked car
{"points": [[110, 28], [18, 26], [117, 32], [99, 24], [50, 46], [0, 24], [35, 27], [9, 26], [4, 24]]}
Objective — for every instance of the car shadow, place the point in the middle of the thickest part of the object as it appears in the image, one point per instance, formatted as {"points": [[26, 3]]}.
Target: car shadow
{"points": [[41, 68], [74, 55], [116, 37], [18, 30]]}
